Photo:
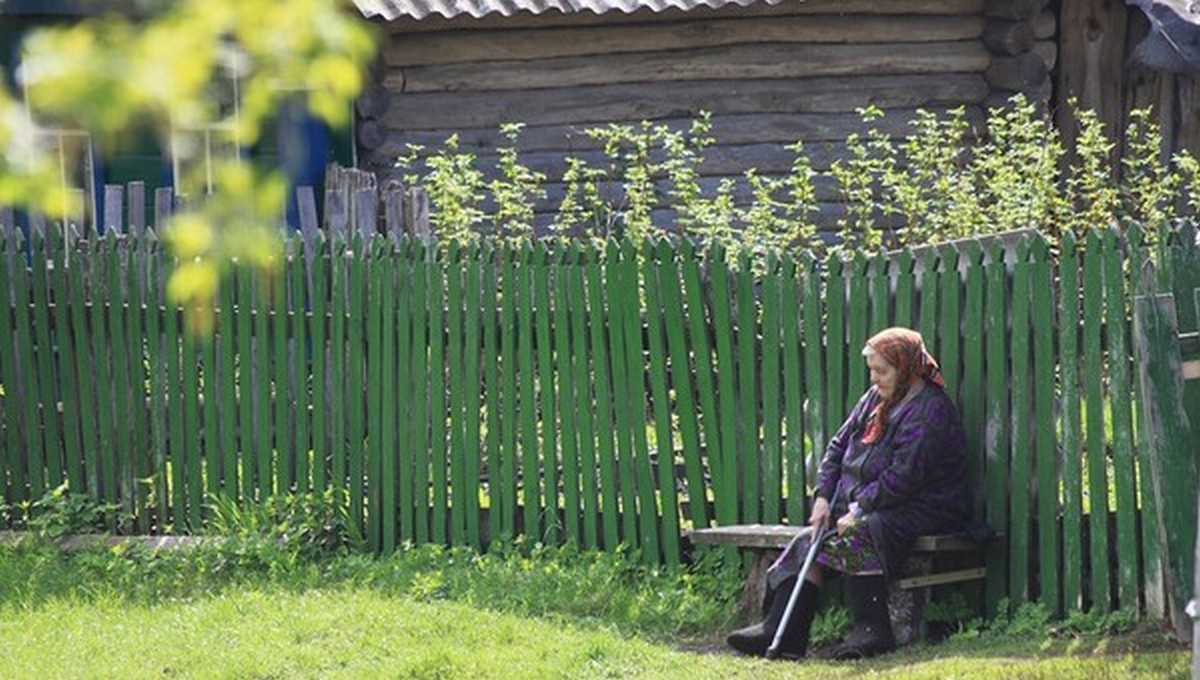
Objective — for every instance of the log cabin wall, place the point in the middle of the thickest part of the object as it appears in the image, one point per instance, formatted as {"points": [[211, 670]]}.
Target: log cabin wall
{"points": [[769, 75]]}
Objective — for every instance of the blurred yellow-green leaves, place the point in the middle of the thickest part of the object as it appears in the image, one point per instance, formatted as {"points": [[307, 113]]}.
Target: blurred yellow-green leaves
{"points": [[162, 74]]}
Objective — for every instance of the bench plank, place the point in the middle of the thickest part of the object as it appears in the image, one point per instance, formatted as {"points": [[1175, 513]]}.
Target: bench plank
{"points": [[779, 535]]}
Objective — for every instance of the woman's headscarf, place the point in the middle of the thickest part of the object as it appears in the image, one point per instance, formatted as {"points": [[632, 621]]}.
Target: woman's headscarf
{"points": [[904, 349]]}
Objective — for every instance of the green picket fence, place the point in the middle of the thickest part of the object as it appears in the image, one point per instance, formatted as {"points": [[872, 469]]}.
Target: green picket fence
{"points": [[605, 397]]}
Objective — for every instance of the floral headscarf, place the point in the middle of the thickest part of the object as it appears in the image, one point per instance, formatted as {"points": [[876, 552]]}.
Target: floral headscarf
{"points": [[904, 349]]}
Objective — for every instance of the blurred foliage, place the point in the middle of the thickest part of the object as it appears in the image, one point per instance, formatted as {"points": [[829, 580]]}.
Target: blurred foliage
{"points": [[116, 76]]}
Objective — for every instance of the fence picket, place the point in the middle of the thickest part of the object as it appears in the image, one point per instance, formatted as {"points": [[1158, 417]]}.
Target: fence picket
{"points": [[1119, 388], [492, 326], [457, 404], [31, 397], [772, 408], [60, 277], [260, 380], [905, 281], [949, 329], [437, 396], [1047, 490], [858, 278], [725, 512], [996, 442], [610, 511], [210, 445], [636, 386], [583, 399], [622, 398], [421, 414], [283, 442], [246, 387], [226, 371], [671, 301], [14, 445], [299, 341], [565, 402], [816, 386], [383, 453], [545, 503], [1019, 543], [749, 461], [792, 463], [319, 296], [509, 451], [1096, 491], [1152, 568], [191, 461], [471, 399], [835, 346], [528, 405], [722, 328], [1068, 366], [156, 458], [664, 437], [357, 306], [974, 398]]}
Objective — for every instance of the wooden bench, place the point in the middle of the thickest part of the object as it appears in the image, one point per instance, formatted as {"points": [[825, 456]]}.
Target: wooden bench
{"points": [[909, 594]]}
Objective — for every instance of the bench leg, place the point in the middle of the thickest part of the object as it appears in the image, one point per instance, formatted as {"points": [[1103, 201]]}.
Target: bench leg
{"points": [[753, 599], [907, 607]]}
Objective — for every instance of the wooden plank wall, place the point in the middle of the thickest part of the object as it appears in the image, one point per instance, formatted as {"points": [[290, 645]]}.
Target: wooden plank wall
{"points": [[770, 75]]}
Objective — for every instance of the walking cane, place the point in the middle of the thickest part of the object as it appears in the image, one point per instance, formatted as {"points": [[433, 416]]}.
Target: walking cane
{"points": [[821, 534]]}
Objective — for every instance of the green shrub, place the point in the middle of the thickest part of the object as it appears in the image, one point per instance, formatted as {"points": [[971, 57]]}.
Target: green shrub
{"points": [[946, 179]]}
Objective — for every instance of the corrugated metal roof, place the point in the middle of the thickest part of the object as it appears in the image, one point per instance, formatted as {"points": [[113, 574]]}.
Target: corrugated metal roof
{"points": [[419, 9]]}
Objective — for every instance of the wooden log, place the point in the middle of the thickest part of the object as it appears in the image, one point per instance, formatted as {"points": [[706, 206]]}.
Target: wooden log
{"points": [[1047, 51], [631, 101], [1022, 73], [783, 128], [1045, 26], [450, 47], [718, 63], [1008, 38], [371, 134], [372, 103], [1014, 9], [807, 8]]}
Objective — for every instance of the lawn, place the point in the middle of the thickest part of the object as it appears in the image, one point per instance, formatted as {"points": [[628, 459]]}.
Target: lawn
{"points": [[112, 615]]}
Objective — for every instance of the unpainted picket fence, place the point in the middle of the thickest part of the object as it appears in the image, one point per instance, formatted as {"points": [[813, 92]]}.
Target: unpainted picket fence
{"points": [[604, 396]]}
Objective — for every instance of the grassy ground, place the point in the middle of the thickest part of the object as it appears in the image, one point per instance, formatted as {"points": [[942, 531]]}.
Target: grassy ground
{"points": [[427, 614]]}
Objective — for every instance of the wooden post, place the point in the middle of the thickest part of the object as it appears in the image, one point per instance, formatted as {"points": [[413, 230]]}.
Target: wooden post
{"points": [[366, 212], [1171, 453], [417, 215], [114, 208], [164, 207], [393, 210], [135, 193], [6, 220]]}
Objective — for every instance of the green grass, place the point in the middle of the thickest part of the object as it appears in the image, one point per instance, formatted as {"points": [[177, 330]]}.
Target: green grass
{"points": [[250, 611]]}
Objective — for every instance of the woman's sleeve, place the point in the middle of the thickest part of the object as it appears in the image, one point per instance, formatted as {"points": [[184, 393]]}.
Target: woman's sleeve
{"points": [[831, 463], [914, 446]]}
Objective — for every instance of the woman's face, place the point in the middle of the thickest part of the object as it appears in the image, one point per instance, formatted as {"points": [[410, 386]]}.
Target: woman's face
{"points": [[883, 375]]}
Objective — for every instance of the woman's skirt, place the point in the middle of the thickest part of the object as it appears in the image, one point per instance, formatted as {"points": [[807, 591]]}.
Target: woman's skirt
{"points": [[852, 553]]}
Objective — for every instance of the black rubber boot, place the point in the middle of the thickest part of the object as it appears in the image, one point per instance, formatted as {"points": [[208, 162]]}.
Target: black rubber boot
{"points": [[872, 631], [754, 640]]}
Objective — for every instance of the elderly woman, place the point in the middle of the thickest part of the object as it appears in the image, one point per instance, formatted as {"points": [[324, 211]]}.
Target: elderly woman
{"points": [[898, 468]]}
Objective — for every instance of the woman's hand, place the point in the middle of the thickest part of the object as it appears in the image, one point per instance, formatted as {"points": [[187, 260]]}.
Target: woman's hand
{"points": [[845, 522], [820, 514]]}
